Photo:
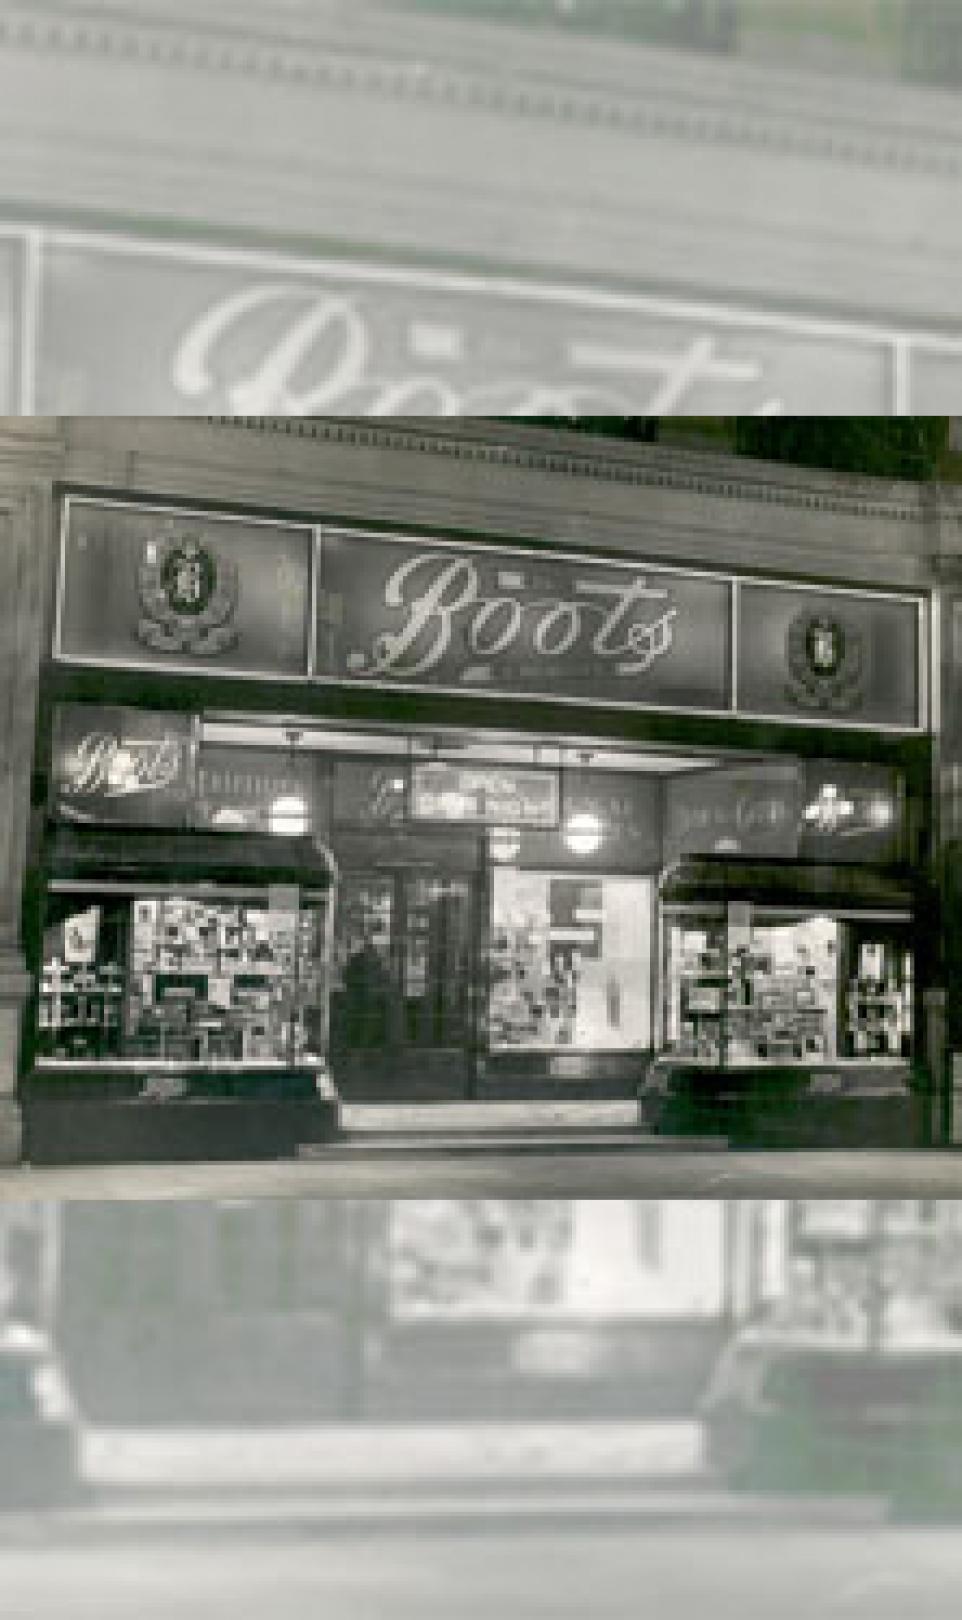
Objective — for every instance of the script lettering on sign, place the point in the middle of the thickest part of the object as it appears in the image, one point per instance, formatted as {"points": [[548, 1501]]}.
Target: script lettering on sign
{"points": [[104, 765], [628, 626], [317, 349]]}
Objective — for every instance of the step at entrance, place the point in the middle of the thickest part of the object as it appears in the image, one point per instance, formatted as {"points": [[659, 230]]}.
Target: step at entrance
{"points": [[486, 1118]]}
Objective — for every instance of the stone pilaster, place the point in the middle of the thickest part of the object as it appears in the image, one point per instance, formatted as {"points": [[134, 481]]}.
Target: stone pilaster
{"points": [[23, 559]]}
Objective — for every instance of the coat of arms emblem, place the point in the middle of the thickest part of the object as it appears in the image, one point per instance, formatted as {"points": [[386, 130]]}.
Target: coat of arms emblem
{"points": [[188, 598], [826, 660]]}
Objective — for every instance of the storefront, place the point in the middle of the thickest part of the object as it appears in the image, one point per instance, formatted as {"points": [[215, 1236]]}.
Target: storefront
{"points": [[423, 1315], [529, 762], [377, 247]]}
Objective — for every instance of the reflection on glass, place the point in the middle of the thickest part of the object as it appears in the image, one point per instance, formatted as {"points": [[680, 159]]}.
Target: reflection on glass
{"points": [[570, 962], [746, 1405]]}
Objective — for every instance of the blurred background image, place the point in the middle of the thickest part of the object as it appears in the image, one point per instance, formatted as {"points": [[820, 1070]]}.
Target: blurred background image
{"points": [[481, 1406], [479, 207]]}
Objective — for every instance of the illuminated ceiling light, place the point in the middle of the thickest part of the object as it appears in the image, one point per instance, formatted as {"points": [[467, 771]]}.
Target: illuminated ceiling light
{"points": [[504, 844], [584, 833], [880, 811], [289, 816]]}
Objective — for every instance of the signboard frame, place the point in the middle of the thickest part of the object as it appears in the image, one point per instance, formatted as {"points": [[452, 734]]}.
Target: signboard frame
{"points": [[317, 532], [919, 600], [223, 517], [897, 346]]}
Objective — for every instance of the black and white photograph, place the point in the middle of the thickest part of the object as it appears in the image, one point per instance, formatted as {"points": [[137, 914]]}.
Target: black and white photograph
{"points": [[480, 808], [480, 207], [480, 1406], [574, 804]]}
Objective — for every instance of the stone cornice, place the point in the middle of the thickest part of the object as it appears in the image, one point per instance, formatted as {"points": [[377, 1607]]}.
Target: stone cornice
{"points": [[568, 455], [632, 90]]}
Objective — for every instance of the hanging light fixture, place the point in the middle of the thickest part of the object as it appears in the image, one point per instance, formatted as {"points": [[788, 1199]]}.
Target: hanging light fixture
{"points": [[584, 833], [290, 815], [584, 830]]}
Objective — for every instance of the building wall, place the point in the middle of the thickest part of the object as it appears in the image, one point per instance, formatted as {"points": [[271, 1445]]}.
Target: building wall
{"points": [[498, 480], [690, 209]]}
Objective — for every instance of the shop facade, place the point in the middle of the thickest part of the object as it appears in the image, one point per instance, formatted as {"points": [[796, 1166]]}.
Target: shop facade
{"points": [[380, 250], [618, 759]]}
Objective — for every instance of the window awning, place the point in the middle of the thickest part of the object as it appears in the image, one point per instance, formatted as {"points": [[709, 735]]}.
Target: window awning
{"points": [[134, 856], [812, 886]]}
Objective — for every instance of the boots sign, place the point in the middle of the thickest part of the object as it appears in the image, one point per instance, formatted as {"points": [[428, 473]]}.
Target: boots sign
{"points": [[247, 334], [498, 621], [128, 766], [153, 587]]}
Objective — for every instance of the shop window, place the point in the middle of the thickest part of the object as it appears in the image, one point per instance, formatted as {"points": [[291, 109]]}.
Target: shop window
{"points": [[570, 964], [746, 987], [180, 979]]}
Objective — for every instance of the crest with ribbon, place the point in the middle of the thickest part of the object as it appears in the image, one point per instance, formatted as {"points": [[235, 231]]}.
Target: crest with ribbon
{"points": [[826, 661], [188, 598]]}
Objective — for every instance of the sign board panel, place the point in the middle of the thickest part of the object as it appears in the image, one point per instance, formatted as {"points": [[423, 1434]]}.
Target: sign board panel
{"points": [[239, 787], [119, 765], [829, 656], [167, 588], [625, 806], [485, 795], [752, 809], [370, 792], [852, 812], [145, 586], [414, 613], [235, 332]]}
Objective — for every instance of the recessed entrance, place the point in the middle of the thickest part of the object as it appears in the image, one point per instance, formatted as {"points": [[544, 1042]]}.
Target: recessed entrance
{"points": [[403, 1003]]}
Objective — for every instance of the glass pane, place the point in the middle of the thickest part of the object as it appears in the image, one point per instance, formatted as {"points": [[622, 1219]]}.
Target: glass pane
{"points": [[363, 962], [877, 992], [177, 979], [755, 988], [782, 992], [570, 962], [437, 961], [696, 981]]}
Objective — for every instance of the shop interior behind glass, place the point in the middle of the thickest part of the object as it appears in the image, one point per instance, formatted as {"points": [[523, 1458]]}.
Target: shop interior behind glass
{"points": [[497, 900]]}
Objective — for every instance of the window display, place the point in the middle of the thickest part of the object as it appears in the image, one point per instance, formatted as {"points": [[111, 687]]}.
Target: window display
{"points": [[570, 962], [746, 986], [182, 979]]}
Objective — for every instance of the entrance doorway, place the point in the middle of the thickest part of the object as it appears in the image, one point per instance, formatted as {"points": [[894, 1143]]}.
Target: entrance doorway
{"points": [[403, 1007]]}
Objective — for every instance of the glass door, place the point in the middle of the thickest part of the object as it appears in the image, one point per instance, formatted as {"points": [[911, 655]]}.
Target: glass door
{"points": [[403, 1003], [437, 960]]}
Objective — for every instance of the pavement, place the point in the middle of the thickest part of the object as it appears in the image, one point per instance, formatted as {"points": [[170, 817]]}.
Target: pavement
{"points": [[435, 1457], [340, 1478], [553, 1149], [482, 1571], [573, 1169]]}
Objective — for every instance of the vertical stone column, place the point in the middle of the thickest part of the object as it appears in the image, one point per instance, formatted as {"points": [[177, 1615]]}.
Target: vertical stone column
{"points": [[24, 550], [943, 1010]]}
